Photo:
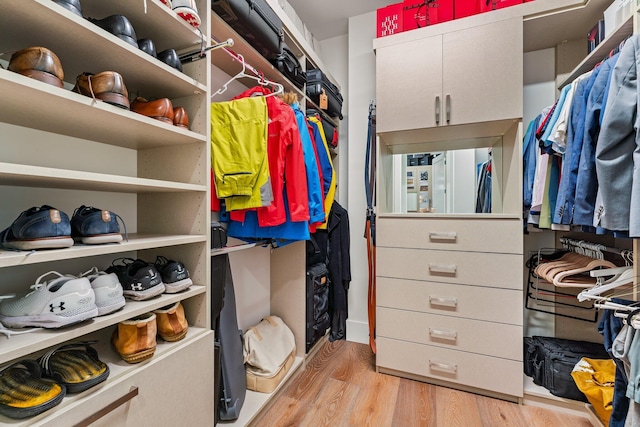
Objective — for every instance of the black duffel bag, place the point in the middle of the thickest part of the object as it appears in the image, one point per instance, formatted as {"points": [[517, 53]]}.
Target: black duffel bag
{"points": [[255, 21], [289, 65]]}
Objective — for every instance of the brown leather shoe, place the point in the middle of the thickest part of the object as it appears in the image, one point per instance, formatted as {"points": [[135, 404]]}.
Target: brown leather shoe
{"points": [[159, 109], [38, 63], [180, 117], [135, 339], [107, 86]]}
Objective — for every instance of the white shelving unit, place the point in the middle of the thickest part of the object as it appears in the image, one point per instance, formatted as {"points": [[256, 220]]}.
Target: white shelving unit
{"points": [[65, 150]]}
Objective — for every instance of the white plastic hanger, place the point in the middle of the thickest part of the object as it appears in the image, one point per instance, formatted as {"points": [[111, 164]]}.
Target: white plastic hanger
{"points": [[259, 77], [625, 276]]}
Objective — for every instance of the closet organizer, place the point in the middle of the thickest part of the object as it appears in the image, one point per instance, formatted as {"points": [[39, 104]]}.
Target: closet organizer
{"points": [[269, 275], [65, 150]]}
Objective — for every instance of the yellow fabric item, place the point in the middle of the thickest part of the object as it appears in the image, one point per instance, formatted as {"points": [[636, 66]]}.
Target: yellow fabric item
{"points": [[328, 200], [239, 152], [595, 378]]}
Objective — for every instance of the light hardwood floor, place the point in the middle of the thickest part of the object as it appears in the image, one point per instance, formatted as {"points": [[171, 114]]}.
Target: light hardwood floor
{"points": [[340, 387]]}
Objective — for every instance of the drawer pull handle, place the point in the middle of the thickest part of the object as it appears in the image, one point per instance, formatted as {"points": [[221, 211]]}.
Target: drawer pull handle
{"points": [[443, 334], [445, 367], [437, 110], [443, 235], [440, 268], [133, 392], [443, 301]]}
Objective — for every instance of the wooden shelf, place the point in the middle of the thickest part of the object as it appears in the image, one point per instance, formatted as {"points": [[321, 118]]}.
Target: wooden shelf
{"points": [[235, 248], [601, 51], [68, 113], [75, 41], [136, 242], [20, 345]]}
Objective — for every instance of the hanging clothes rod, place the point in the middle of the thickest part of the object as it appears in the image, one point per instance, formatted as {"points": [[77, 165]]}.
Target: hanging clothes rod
{"points": [[200, 53], [582, 244]]}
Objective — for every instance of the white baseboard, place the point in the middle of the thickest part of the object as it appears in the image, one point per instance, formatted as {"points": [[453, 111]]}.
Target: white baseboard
{"points": [[357, 331]]}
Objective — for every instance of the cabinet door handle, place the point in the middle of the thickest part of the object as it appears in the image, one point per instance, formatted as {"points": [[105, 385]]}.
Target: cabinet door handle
{"points": [[448, 108], [443, 334], [443, 235], [445, 367], [440, 268], [438, 110], [133, 392], [443, 301]]}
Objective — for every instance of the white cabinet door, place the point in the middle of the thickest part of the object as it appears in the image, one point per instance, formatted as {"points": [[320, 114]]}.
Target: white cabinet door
{"points": [[482, 69], [409, 85]]}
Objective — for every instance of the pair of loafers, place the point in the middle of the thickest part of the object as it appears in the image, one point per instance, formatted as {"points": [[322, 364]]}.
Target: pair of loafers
{"points": [[168, 56], [161, 109]]}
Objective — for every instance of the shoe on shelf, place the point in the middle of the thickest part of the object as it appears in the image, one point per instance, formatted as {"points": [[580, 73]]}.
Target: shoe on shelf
{"points": [[43, 227], [148, 47], [174, 275], [119, 26], [94, 226], [180, 117], [171, 58], [75, 366], [108, 290], [71, 5], [187, 10], [172, 325], [159, 109], [166, 3], [24, 393], [108, 86], [61, 301], [139, 279], [38, 63], [135, 339]]}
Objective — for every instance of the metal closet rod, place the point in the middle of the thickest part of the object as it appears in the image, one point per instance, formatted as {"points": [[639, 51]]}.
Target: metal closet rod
{"points": [[591, 246]]}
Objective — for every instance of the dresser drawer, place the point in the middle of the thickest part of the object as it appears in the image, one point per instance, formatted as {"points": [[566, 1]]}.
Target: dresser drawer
{"points": [[459, 367], [472, 302], [474, 336], [468, 268], [457, 234]]}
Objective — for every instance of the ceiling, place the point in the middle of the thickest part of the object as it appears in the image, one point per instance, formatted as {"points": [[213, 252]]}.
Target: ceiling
{"points": [[329, 18]]}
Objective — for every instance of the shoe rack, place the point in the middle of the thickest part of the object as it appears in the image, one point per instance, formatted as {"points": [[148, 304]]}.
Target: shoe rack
{"points": [[64, 149]]}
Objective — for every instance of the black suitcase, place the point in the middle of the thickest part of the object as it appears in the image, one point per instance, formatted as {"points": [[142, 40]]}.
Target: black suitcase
{"points": [[330, 130], [549, 361], [255, 21], [317, 82], [233, 379], [317, 303], [289, 65]]}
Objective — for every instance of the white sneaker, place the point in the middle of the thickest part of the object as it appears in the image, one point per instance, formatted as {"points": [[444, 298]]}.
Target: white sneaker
{"points": [[187, 10], [61, 301], [108, 290]]}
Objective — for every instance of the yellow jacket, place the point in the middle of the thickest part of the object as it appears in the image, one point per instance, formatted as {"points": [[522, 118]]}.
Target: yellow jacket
{"points": [[328, 200]]}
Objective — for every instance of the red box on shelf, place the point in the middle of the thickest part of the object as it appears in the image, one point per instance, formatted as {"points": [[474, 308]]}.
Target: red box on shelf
{"points": [[506, 3], [422, 13], [389, 20], [464, 8]]}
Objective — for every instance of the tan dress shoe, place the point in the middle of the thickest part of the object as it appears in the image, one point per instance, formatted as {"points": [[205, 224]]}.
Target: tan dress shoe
{"points": [[180, 117], [135, 339], [38, 63], [172, 325], [159, 109], [107, 86]]}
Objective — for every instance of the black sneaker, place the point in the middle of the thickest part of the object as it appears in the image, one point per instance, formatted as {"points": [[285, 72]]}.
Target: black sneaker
{"points": [[139, 279], [174, 275]]}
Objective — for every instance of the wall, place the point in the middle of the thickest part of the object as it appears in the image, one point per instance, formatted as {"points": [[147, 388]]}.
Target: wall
{"points": [[361, 90]]}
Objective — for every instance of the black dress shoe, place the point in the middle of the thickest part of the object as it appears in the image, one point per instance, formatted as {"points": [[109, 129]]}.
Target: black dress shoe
{"points": [[170, 57], [147, 46], [71, 5], [119, 26]]}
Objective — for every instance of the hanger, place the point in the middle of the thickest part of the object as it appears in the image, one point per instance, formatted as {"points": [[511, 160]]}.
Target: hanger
{"points": [[625, 276], [259, 77]]}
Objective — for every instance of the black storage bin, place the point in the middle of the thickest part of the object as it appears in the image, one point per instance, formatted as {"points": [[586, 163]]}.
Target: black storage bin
{"points": [[255, 21], [317, 82]]}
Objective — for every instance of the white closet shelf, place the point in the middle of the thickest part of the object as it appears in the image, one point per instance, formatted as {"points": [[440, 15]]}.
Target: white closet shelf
{"points": [[84, 47], [136, 242], [37, 176], [68, 113], [19, 345], [601, 51], [221, 31]]}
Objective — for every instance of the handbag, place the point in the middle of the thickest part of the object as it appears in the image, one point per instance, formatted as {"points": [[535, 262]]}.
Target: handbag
{"points": [[269, 353]]}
